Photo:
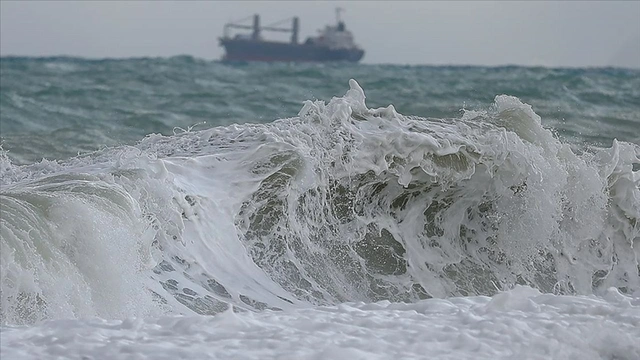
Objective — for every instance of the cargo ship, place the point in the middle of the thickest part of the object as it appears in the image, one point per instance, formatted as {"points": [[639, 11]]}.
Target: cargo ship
{"points": [[334, 43]]}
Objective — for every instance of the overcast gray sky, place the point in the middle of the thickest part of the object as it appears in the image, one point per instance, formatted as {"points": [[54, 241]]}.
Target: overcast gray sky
{"points": [[556, 33]]}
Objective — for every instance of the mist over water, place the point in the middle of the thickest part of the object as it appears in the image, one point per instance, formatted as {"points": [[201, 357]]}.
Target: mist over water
{"points": [[281, 203]]}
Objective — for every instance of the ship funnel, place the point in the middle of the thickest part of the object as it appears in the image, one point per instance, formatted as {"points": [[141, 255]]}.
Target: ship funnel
{"points": [[294, 31], [256, 27]]}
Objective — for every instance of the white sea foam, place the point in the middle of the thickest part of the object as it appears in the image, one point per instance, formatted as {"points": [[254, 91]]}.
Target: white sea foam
{"points": [[341, 204], [521, 323]]}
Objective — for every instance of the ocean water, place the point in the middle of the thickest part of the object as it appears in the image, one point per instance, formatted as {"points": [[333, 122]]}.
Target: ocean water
{"points": [[182, 208]]}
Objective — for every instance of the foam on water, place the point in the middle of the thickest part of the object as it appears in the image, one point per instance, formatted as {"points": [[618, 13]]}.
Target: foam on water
{"points": [[340, 204], [520, 323]]}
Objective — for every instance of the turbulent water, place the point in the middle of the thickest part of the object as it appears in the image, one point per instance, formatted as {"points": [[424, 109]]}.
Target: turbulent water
{"points": [[152, 187]]}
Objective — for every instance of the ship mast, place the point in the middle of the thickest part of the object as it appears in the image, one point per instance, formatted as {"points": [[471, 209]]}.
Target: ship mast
{"points": [[338, 11], [257, 29]]}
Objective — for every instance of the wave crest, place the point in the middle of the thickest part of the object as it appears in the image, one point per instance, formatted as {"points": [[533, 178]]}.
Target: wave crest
{"points": [[342, 203]]}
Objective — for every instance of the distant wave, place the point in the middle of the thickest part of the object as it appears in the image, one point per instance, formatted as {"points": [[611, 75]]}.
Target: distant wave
{"points": [[59, 107]]}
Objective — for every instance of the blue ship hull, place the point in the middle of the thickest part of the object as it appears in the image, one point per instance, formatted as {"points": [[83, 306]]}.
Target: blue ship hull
{"points": [[271, 51]]}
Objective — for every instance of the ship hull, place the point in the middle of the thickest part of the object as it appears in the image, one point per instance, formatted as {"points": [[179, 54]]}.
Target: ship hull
{"points": [[271, 51]]}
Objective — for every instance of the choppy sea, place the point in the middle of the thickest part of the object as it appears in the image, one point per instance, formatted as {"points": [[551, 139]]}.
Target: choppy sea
{"points": [[170, 208]]}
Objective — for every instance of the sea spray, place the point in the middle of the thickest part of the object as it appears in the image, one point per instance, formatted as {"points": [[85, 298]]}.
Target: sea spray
{"points": [[402, 208], [73, 246], [341, 203]]}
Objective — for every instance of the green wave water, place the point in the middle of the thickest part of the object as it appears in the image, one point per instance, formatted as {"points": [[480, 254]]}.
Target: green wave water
{"points": [[342, 200], [56, 108]]}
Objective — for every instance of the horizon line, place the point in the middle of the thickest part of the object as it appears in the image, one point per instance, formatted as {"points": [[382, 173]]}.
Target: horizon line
{"points": [[141, 57]]}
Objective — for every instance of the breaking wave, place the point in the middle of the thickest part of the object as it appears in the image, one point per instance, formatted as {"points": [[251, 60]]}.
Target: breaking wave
{"points": [[341, 203]]}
